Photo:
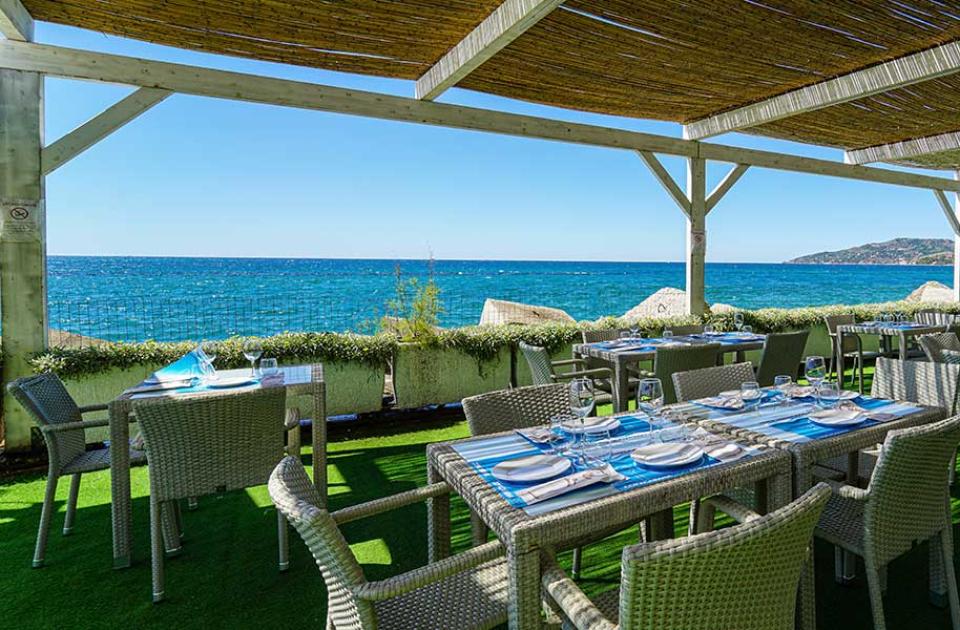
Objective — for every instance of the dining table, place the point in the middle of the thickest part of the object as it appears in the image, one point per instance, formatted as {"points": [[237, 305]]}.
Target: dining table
{"points": [[297, 380], [902, 331], [621, 354], [530, 523]]}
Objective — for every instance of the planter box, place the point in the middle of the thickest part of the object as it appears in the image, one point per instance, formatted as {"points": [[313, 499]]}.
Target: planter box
{"points": [[435, 376], [352, 387], [95, 389]]}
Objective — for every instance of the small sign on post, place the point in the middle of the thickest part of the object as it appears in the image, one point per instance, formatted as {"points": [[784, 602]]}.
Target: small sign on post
{"points": [[20, 221]]}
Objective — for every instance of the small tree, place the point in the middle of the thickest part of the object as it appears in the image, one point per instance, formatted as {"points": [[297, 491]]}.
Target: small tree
{"points": [[415, 310]]}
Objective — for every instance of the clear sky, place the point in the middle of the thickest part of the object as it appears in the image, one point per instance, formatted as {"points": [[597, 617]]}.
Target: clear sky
{"points": [[204, 177]]}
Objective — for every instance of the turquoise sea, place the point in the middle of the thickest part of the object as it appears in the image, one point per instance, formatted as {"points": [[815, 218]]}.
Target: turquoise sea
{"points": [[134, 298]]}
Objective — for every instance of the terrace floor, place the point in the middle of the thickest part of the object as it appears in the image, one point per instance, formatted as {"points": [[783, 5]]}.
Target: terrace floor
{"points": [[227, 573]]}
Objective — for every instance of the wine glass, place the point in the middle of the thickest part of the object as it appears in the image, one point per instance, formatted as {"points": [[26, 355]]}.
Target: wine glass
{"points": [[635, 330], [814, 368], [738, 320], [252, 349], [751, 394], [650, 399], [667, 334], [783, 384], [210, 350], [708, 329], [829, 394], [746, 329], [582, 400]]}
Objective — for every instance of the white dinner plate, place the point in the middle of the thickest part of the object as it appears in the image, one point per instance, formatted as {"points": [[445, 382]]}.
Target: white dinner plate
{"points": [[234, 381], [591, 425], [729, 403], [667, 455], [838, 417], [531, 468]]}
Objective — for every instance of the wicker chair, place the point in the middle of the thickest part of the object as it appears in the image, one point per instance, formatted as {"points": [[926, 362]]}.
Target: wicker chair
{"points": [[518, 408], [209, 445], [936, 318], [923, 382], [711, 381], [933, 345], [906, 502], [596, 336], [689, 329], [742, 577], [782, 354], [543, 373], [468, 590], [60, 420], [852, 347], [670, 360]]}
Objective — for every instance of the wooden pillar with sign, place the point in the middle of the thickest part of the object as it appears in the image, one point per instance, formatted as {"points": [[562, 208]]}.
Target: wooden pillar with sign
{"points": [[696, 235], [23, 246]]}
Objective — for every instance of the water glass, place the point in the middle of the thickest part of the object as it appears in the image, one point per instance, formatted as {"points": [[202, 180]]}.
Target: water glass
{"points": [[561, 442], [783, 384], [738, 320], [650, 399], [829, 394], [677, 433], [708, 329], [597, 449], [667, 334], [751, 394], [746, 329], [625, 335], [269, 367], [252, 349]]}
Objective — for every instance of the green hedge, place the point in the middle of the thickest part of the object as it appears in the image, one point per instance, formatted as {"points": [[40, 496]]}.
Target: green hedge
{"points": [[480, 342]]}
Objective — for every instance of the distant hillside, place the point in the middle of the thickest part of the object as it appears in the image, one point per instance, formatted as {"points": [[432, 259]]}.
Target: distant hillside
{"points": [[899, 251]]}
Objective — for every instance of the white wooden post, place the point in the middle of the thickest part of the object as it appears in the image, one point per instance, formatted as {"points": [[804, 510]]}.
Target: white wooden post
{"points": [[23, 248], [956, 245], [696, 234]]}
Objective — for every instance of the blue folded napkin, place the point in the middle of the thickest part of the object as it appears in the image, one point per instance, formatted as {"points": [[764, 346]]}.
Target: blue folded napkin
{"points": [[186, 367]]}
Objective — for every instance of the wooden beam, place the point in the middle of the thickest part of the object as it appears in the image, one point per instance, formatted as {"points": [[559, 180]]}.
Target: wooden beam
{"points": [[15, 21], [508, 22], [956, 245], [948, 211], [696, 236], [99, 127], [78, 64], [922, 66], [731, 178], [678, 196], [904, 150]]}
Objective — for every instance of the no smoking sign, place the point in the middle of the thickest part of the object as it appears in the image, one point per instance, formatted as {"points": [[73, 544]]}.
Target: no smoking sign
{"points": [[19, 221]]}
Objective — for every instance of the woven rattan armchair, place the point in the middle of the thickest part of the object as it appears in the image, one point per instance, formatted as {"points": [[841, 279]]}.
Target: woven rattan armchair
{"points": [[936, 318], [687, 329], [61, 423], [670, 360], [782, 354], [543, 372], [209, 445], [711, 381], [742, 577], [468, 590], [518, 408], [934, 345], [906, 502], [927, 383], [852, 347]]}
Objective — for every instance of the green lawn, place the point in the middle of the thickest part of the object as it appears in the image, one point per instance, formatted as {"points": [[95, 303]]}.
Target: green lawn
{"points": [[227, 573]]}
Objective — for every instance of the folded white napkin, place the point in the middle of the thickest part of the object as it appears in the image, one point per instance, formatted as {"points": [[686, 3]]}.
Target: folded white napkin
{"points": [[576, 481], [723, 402], [540, 435]]}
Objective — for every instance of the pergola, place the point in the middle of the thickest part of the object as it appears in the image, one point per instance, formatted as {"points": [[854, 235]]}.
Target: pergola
{"points": [[878, 79]]}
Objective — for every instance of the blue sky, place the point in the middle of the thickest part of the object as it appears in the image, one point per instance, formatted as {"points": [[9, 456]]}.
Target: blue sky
{"points": [[204, 177]]}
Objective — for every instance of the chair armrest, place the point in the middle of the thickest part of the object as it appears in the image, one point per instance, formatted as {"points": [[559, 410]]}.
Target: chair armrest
{"points": [[593, 373], [574, 604], [429, 574], [847, 491], [378, 506], [73, 426], [92, 408], [736, 510], [563, 362]]}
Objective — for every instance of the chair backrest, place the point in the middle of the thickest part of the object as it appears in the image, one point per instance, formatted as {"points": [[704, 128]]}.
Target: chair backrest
{"points": [[595, 336], [711, 381], [782, 354], [924, 382], [211, 444], [516, 408], [687, 329], [934, 344], [935, 318], [49, 403], [832, 321], [538, 359], [670, 360], [742, 577], [298, 500], [910, 489]]}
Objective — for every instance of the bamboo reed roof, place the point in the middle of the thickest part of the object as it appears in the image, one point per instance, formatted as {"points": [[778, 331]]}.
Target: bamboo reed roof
{"points": [[672, 60]]}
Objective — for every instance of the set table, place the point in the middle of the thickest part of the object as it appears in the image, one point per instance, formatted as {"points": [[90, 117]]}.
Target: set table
{"points": [[301, 380], [619, 354], [778, 466]]}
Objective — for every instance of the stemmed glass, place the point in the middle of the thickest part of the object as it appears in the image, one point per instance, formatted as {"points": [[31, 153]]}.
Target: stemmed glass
{"points": [[708, 329], [252, 349], [738, 321], [650, 399], [814, 368], [582, 399], [746, 329], [635, 330], [210, 349], [751, 394], [667, 334]]}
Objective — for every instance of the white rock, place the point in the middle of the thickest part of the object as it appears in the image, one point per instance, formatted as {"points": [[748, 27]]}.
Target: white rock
{"points": [[504, 312]]}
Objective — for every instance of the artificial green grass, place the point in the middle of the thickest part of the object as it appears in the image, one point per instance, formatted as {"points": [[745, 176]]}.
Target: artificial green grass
{"points": [[227, 574]]}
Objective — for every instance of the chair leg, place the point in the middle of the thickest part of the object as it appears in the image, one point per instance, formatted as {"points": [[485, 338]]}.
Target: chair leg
{"points": [[478, 529], [46, 512], [950, 577], [71, 504], [283, 541], [876, 594], [193, 503], [171, 527], [156, 550], [577, 560], [844, 566]]}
